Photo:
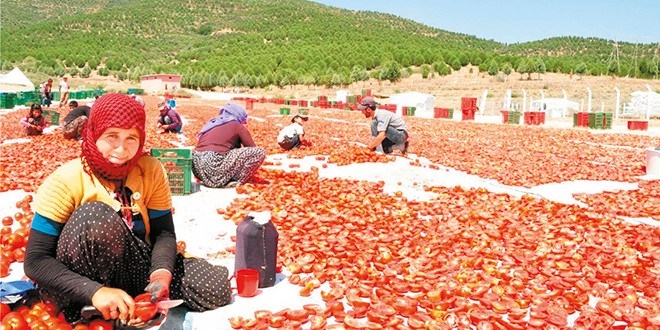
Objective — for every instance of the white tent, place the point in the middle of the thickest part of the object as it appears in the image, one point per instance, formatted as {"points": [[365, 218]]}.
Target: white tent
{"points": [[422, 102], [15, 81]]}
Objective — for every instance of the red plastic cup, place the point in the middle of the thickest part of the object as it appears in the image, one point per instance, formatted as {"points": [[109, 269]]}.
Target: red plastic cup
{"points": [[247, 282]]}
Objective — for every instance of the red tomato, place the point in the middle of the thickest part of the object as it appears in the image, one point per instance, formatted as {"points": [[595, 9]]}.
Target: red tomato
{"points": [[15, 321], [4, 265], [318, 322], [180, 246], [262, 315], [38, 325], [4, 310], [145, 311], [7, 221], [236, 322], [61, 326], [19, 254], [297, 314], [23, 310], [276, 321], [99, 324], [81, 327]]}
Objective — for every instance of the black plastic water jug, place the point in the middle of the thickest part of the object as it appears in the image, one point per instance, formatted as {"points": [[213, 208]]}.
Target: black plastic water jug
{"points": [[256, 247]]}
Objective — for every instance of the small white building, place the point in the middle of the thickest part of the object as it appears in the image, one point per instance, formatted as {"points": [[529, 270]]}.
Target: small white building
{"points": [[160, 82], [422, 102], [342, 95], [644, 104], [555, 107]]}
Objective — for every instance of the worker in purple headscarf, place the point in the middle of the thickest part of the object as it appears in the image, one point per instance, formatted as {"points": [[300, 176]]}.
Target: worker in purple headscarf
{"points": [[225, 155]]}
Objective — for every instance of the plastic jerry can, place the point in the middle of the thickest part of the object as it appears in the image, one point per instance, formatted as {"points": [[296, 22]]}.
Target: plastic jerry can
{"points": [[256, 246]]}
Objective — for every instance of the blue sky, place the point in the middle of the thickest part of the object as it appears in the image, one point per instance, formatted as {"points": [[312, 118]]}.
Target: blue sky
{"points": [[512, 21]]}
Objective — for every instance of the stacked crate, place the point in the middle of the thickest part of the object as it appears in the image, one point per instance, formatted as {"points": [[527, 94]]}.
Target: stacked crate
{"points": [[26, 98], [600, 120], [178, 165], [136, 91], [581, 119], [443, 113], [468, 107], [408, 111], [7, 100], [534, 118], [510, 117]]}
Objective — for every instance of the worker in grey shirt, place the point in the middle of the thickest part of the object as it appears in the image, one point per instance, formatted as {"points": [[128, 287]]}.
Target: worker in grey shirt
{"points": [[387, 128]]}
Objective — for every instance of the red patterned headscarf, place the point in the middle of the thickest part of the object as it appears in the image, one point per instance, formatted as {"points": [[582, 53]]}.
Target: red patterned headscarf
{"points": [[111, 110]]}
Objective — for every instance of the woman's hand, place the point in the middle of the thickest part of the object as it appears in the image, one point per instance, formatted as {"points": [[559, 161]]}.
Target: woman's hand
{"points": [[114, 303], [159, 285]]}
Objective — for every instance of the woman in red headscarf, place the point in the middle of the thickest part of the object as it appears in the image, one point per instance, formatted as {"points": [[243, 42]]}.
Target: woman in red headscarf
{"points": [[102, 231]]}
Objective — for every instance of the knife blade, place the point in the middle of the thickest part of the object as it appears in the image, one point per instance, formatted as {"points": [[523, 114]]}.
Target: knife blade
{"points": [[162, 305]]}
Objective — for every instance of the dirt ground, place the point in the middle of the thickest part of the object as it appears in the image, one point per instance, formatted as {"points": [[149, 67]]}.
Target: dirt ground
{"points": [[448, 90]]}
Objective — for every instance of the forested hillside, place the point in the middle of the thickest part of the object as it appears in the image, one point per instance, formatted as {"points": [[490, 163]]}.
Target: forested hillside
{"points": [[257, 43]]}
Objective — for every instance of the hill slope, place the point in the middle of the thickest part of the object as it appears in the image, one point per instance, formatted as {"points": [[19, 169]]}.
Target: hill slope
{"points": [[257, 43]]}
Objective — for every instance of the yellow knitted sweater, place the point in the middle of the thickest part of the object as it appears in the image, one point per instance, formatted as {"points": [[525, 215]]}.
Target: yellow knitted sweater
{"points": [[69, 186]]}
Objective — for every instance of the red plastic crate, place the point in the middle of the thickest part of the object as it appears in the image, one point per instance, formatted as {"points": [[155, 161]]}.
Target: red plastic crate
{"points": [[249, 104], [583, 119], [505, 116], [468, 102], [440, 113], [468, 114], [534, 118], [638, 125]]}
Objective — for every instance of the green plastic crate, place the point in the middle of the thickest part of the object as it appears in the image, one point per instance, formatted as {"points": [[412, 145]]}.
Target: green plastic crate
{"points": [[178, 165], [514, 117], [7, 100], [410, 111], [52, 117], [600, 120], [81, 95], [179, 174], [285, 111], [182, 153], [303, 111], [19, 100]]}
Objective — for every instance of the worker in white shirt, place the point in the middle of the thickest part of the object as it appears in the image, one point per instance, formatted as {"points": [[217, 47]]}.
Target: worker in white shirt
{"points": [[293, 136]]}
